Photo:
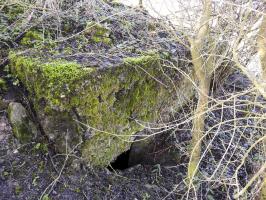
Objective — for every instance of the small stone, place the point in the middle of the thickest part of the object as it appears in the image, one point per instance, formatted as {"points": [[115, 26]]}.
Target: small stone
{"points": [[3, 104], [23, 128], [15, 151]]}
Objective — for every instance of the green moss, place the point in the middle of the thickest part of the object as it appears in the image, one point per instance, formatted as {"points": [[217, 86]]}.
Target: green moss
{"points": [[13, 11], [165, 55], [23, 128], [3, 84], [18, 189], [46, 197], [6, 174], [151, 26], [137, 96], [61, 77], [32, 38], [68, 50], [98, 33], [41, 147], [52, 81], [40, 41], [41, 167], [107, 99], [21, 133]]}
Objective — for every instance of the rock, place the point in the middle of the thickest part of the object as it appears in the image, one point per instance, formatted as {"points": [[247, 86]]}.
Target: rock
{"points": [[3, 104], [23, 128]]}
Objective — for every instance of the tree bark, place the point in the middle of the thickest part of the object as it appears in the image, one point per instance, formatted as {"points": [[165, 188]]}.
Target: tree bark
{"points": [[201, 68]]}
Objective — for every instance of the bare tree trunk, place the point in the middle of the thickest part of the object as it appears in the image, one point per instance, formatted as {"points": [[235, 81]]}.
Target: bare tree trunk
{"points": [[201, 69]]}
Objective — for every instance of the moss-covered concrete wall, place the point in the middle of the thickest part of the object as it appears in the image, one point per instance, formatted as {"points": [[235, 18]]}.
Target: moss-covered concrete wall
{"points": [[95, 101], [68, 97]]}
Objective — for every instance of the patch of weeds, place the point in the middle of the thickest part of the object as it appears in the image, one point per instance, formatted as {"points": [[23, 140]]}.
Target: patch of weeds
{"points": [[18, 189], [77, 190], [35, 181], [32, 38], [98, 33], [6, 174], [146, 196], [157, 172], [41, 166], [46, 197], [41, 147], [3, 85]]}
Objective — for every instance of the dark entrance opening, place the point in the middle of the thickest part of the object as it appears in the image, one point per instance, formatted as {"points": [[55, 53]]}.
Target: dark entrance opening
{"points": [[121, 162]]}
